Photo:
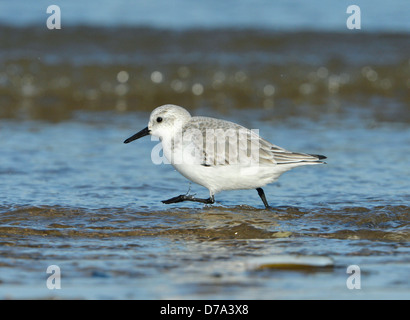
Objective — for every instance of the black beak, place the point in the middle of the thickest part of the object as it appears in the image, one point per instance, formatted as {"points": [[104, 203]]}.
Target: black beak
{"points": [[142, 133]]}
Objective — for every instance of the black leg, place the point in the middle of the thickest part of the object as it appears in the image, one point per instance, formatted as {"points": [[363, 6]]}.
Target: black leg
{"points": [[262, 195], [184, 197]]}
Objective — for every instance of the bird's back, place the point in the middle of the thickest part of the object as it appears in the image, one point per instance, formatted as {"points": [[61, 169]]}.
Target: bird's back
{"points": [[219, 142]]}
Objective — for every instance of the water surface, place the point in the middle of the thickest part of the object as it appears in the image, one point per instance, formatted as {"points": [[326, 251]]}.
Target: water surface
{"points": [[75, 196]]}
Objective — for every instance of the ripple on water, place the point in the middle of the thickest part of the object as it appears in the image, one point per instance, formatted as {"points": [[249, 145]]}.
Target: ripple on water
{"points": [[240, 222]]}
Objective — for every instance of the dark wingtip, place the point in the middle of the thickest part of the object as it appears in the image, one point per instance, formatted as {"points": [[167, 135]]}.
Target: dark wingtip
{"points": [[319, 156]]}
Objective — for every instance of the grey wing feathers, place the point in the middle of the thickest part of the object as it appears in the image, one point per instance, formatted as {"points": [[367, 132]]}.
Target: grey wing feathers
{"points": [[283, 156], [248, 146]]}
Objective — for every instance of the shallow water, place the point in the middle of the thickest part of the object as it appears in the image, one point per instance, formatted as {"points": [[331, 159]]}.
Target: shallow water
{"points": [[75, 196], [281, 14]]}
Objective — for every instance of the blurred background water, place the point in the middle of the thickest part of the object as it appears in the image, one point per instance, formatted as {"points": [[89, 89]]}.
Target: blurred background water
{"points": [[72, 194]]}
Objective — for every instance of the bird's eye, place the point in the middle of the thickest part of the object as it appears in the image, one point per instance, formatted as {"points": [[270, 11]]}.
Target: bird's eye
{"points": [[159, 119]]}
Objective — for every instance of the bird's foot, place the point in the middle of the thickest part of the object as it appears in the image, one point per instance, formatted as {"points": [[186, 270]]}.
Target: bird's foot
{"points": [[180, 198], [184, 197]]}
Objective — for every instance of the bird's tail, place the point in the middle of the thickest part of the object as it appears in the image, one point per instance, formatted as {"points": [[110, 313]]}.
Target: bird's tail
{"points": [[319, 157], [295, 158]]}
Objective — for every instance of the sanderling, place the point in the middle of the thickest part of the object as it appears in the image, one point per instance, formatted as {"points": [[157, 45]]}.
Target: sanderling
{"points": [[217, 154]]}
